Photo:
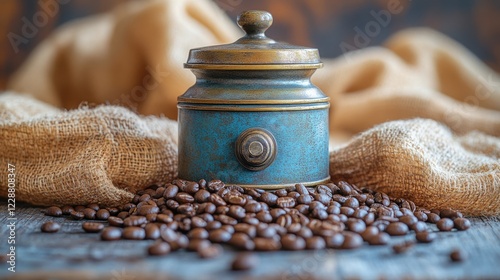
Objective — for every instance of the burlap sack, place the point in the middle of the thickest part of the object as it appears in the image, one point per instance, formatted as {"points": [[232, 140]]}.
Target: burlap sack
{"points": [[99, 155], [133, 56]]}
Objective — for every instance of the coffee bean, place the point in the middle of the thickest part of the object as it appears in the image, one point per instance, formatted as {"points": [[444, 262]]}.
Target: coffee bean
{"points": [[152, 231], [253, 207], [171, 191], [122, 215], [244, 261], [457, 256], [209, 252], [213, 225], [305, 232], [344, 188], [198, 233], [425, 236], [235, 199], [397, 228], [266, 244], [217, 200], [219, 236], [402, 247], [197, 244], [369, 232], [76, 215], [381, 238], [89, 213], [80, 208], [445, 224], [433, 218], [191, 187], [237, 212], [111, 233], [450, 214], [202, 196], [54, 211], [269, 198], [50, 227], [356, 225], [266, 231], [134, 233], [408, 220], [93, 206], [102, 214], [248, 229], [462, 223], [285, 202], [304, 199], [419, 226], [334, 241], [315, 243], [159, 249], [352, 240], [242, 241], [66, 209], [198, 222], [147, 209], [348, 211], [293, 242], [351, 202], [92, 227], [183, 197], [180, 242], [421, 216], [134, 221]]}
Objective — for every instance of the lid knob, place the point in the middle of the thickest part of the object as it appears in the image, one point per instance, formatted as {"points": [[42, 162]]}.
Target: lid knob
{"points": [[255, 23]]}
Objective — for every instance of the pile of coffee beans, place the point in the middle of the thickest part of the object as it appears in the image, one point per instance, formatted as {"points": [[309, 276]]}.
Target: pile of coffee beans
{"points": [[199, 216]]}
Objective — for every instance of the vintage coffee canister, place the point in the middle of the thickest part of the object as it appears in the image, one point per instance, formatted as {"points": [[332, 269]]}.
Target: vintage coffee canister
{"points": [[253, 118]]}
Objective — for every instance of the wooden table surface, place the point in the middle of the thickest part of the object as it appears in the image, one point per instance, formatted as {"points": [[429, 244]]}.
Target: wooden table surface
{"points": [[73, 254]]}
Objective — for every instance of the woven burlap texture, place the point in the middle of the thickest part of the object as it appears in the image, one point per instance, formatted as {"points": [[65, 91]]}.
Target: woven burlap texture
{"points": [[133, 56], [100, 155]]}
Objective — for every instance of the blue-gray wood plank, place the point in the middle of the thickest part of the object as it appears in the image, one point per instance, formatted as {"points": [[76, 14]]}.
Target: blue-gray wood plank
{"points": [[71, 253]]}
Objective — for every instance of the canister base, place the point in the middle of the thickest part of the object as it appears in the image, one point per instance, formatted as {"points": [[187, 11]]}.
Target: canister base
{"points": [[282, 186]]}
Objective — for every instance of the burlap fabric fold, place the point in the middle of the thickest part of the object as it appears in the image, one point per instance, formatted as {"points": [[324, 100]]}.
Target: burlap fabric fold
{"points": [[448, 157]]}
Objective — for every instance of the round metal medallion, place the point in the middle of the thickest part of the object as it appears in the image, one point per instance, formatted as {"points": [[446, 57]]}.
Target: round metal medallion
{"points": [[256, 149]]}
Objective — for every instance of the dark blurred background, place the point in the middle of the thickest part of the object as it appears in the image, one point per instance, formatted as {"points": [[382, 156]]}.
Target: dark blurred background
{"points": [[331, 26]]}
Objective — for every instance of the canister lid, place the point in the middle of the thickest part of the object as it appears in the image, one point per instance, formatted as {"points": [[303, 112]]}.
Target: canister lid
{"points": [[254, 51]]}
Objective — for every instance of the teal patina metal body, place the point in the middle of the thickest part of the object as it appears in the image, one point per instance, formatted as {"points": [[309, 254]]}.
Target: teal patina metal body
{"points": [[253, 117]]}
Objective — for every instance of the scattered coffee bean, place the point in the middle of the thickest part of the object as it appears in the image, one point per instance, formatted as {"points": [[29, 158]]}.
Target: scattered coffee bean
{"points": [[209, 252], [397, 228], [402, 247], [115, 221], [134, 233], [425, 236], [445, 224], [462, 223], [159, 249], [92, 227], [244, 261], [54, 211], [457, 256], [111, 233], [50, 227], [192, 215]]}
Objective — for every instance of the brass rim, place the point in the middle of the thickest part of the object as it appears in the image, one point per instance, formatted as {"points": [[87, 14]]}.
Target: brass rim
{"points": [[252, 109], [282, 186], [252, 101], [253, 66]]}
